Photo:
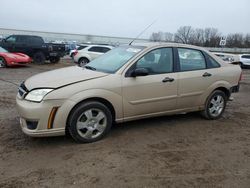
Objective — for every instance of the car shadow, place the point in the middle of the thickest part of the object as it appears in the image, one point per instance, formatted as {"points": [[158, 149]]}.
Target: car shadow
{"points": [[118, 130]]}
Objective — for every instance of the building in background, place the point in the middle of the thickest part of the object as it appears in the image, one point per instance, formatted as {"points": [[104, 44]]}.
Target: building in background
{"points": [[71, 38]]}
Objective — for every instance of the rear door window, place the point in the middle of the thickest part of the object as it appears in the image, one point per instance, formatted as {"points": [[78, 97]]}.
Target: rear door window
{"points": [[246, 56], [22, 39], [191, 59], [99, 49]]}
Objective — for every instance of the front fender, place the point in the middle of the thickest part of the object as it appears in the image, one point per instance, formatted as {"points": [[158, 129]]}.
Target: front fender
{"points": [[114, 98]]}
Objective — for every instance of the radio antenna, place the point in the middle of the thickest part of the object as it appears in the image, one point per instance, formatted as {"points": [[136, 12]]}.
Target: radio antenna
{"points": [[142, 32]]}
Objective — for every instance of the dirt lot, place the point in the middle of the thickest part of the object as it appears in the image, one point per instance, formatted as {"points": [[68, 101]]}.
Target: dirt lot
{"points": [[175, 151]]}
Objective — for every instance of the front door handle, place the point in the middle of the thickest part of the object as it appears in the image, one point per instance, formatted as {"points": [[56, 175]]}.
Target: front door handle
{"points": [[206, 74], [167, 79]]}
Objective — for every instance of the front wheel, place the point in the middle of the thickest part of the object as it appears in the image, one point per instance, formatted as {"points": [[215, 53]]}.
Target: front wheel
{"points": [[89, 122], [83, 61], [215, 105]]}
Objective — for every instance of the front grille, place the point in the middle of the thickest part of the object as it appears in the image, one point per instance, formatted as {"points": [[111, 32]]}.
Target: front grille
{"points": [[22, 90]]}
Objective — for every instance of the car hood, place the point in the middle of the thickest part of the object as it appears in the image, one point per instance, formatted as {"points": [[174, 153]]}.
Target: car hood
{"points": [[61, 77], [14, 55]]}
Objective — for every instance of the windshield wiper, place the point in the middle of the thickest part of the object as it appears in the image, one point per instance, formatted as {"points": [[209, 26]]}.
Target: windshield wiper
{"points": [[89, 67]]}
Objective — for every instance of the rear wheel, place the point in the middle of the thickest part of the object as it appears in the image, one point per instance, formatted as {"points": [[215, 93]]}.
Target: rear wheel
{"points": [[54, 59], [215, 105], [89, 122], [83, 61], [3, 62], [39, 58]]}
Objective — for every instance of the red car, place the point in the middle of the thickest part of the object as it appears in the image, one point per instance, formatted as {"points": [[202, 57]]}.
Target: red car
{"points": [[12, 59]]}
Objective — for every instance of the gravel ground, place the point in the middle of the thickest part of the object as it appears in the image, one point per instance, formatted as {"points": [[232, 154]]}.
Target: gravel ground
{"points": [[174, 151]]}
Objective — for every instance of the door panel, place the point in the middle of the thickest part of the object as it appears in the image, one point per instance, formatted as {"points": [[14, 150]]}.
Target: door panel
{"points": [[149, 94], [192, 86], [154, 93], [194, 78]]}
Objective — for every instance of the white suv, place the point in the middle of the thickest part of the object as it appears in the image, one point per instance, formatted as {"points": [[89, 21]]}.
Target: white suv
{"points": [[89, 53], [245, 60]]}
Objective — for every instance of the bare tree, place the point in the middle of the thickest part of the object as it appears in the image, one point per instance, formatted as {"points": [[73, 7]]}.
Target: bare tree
{"points": [[184, 34], [208, 37], [156, 37], [247, 41], [198, 37], [235, 40], [169, 37], [212, 37]]}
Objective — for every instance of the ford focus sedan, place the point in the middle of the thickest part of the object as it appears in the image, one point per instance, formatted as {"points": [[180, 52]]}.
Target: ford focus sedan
{"points": [[127, 83]]}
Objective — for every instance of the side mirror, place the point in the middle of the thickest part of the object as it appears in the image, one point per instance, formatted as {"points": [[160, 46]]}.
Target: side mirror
{"points": [[3, 40], [139, 72]]}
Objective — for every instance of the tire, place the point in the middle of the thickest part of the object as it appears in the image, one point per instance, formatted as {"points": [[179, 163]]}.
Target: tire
{"points": [[2, 62], [39, 58], [242, 65], [215, 105], [89, 122], [54, 59], [83, 61]]}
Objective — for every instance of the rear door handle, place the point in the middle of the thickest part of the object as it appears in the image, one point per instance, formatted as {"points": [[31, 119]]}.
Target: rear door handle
{"points": [[206, 74], [167, 79]]}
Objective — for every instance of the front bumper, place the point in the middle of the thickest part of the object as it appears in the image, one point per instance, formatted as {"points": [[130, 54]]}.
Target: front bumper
{"points": [[40, 113]]}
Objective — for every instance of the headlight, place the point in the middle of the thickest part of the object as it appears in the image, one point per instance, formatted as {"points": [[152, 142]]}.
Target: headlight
{"points": [[37, 95]]}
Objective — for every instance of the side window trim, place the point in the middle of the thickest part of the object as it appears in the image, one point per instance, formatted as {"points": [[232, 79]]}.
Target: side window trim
{"points": [[178, 59]]}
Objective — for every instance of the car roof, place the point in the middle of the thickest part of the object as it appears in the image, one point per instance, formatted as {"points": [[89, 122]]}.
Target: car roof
{"points": [[220, 53], [244, 54], [167, 44], [100, 45], [17, 35]]}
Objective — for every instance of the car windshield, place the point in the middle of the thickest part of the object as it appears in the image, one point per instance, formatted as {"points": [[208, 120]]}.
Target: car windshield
{"points": [[3, 50], [113, 60]]}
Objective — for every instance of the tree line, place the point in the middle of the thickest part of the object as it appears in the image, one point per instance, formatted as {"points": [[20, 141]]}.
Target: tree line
{"points": [[208, 37]]}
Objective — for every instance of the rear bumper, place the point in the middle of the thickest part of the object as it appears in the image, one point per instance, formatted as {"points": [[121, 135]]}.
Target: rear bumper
{"points": [[235, 89]]}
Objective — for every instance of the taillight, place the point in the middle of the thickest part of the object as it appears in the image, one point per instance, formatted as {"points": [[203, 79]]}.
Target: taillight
{"points": [[240, 76], [74, 53]]}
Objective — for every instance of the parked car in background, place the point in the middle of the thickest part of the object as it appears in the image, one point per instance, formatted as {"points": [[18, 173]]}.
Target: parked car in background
{"points": [[35, 47], [8, 59], [89, 53], [244, 60], [127, 83], [229, 58], [79, 47]]}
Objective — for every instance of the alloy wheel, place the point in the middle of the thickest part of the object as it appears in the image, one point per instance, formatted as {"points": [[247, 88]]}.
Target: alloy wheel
{"points": [[216, 105], [91, 123]]}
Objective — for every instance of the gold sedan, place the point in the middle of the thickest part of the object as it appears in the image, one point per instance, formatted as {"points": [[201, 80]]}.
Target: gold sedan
{"points": [[127, 83]]}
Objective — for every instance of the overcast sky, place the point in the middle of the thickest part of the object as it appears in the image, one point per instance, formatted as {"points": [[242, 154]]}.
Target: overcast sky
{"points": [[124, 18]]}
